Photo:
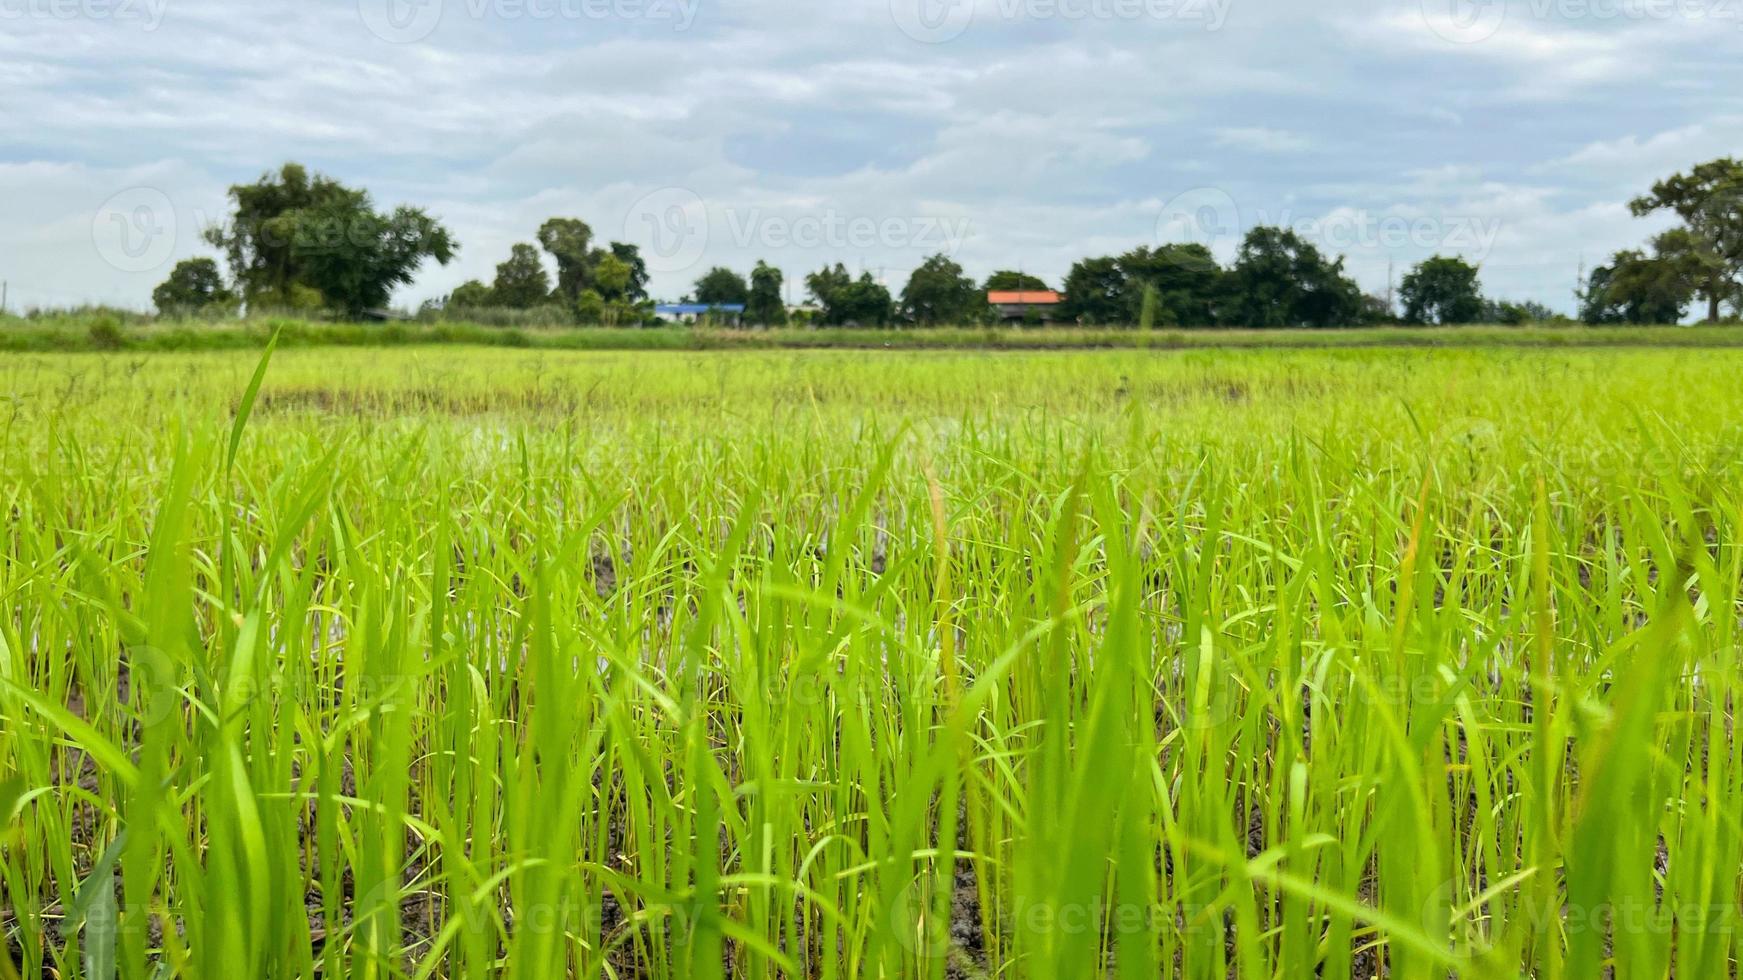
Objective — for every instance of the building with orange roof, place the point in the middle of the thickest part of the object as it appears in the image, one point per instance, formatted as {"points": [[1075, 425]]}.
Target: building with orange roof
{"points": [[1022, 304]]}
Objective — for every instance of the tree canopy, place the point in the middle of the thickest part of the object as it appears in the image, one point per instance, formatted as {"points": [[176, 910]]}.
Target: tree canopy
{"points": [[865, 302], [1095, 291], [569, 241], [521, 282], [470, 295], [1637, 288], [1006, 280], [294, 231], [938, 292], [766, 307], [849, 302], [1183, 282], [721, 286], [193, 286], [612, 278], [631, 256], [1281, 280], [1709, 248], [1443, 291]]}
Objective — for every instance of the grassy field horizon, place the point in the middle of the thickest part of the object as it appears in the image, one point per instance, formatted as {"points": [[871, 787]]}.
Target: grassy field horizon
{"points": [[77, 334], [1264, 662]]}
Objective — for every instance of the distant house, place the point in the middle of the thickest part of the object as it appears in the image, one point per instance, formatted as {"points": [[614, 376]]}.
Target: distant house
{"points": [[1022, 304], [693, 312]]}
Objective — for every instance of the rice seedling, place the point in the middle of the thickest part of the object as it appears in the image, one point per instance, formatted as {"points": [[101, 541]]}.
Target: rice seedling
{"points": [[424, 663]]}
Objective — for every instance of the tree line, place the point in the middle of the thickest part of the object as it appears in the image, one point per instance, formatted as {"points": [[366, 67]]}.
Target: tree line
{"points": [[305, 243]]}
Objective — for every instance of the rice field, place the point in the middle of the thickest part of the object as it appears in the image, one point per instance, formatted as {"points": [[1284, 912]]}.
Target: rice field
{"points": [[462, 663]]}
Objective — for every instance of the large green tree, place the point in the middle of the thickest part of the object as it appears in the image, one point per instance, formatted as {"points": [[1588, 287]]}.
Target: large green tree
{"points": [[1638, 288], [1442, 290], [938, 292], [570, 244], [721, 286], [613, 278], [1170, 285], [1183, 283], [1096, 292], [590, 308], [850, 302], [862, 303], [617, 273], [193, 286], [291, 233], [261, 237], [1006, 280], [826, 283], [766, 307], [521, 282], [1709, 200], [376, 254], [1281, 280], [631, 256], [470, 295]]}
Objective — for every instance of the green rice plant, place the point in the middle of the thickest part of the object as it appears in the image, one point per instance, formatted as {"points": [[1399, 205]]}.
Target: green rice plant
{"points": [[440, 663]]}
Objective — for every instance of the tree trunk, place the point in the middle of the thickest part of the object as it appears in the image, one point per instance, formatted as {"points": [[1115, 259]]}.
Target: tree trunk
{"points": [[1713, 307]]}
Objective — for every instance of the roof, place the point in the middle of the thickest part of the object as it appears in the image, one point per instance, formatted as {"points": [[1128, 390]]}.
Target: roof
{"points": [[1035, 297], [697, 309]]}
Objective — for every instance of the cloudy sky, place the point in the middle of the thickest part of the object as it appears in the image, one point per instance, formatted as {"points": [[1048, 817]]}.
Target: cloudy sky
{"points": [[1008, 133]]}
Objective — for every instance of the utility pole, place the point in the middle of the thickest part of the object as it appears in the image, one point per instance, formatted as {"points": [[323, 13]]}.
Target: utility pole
{"points": [[3, 285], [1391, 268]]}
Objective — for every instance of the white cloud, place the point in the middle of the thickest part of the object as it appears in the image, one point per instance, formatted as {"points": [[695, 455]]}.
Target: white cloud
{"points": [[1262, 140], [1546, 58], [1634, 156], [1050, 138]]}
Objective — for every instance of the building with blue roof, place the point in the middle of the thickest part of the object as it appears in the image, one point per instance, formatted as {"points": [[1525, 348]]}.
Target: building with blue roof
{"points": [[692, 312]]}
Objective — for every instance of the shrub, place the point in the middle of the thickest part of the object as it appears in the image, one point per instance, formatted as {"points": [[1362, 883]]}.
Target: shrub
{"points": [[105, 333]]}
